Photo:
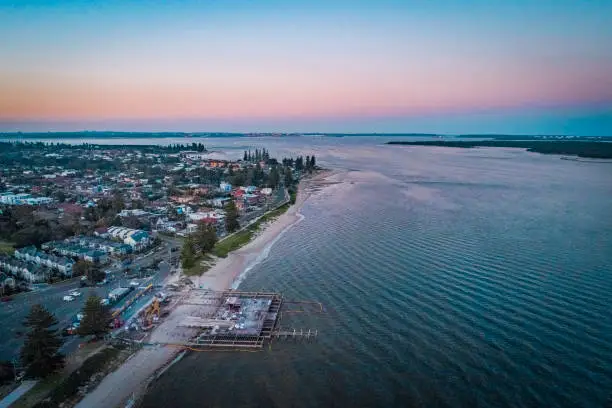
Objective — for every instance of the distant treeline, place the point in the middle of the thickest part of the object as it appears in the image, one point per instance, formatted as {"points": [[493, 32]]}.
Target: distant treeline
{"points": [[580, 148], [108, 135], [534, 137], [153, 135], [50, 146]]}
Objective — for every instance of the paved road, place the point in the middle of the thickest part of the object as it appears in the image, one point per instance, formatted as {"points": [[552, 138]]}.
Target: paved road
{"points": [[275, 200], [13, 313]]}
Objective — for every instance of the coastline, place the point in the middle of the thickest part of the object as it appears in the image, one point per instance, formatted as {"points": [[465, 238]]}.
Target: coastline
{"points": [[131, 379]]}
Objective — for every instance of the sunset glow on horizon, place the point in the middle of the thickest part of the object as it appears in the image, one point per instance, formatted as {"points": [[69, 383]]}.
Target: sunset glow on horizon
{"points": [[101, 63]]}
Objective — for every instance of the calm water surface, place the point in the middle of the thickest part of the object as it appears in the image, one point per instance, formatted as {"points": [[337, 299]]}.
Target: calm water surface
{"points": [[449, 278]]}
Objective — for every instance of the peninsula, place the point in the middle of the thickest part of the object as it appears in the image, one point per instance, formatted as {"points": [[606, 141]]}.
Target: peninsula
{"points": [[581, 148]]}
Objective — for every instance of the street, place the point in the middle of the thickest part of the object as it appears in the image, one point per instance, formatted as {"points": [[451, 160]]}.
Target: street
{"points": [[14, 312], [275, 200]]}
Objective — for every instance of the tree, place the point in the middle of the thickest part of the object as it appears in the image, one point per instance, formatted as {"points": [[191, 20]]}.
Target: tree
{"points": [[273, 177], [80, 268], [88, 269], [312, 161], [245, 157], [60, 196], [40, 352], [188, 254], [288, 176], [206, 237], [118, 204], [131, 221], [95, 274], [96, 318], [231, 217], [299, 163], [250, 177]]}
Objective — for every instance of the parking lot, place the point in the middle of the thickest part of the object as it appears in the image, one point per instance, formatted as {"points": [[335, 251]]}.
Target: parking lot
{"points": [[14, 312]]}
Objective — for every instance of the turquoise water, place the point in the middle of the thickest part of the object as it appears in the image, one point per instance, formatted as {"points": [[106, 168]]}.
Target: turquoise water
{"points": [[448, 278]]}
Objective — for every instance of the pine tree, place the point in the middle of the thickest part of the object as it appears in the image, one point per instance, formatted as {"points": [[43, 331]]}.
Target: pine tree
{"points": [[96, 318], [231, 217], [245, 158], [299, 163], [206, 237], [312, 161], [188, 254], [288, 177], [40, 352], [273, 177]]}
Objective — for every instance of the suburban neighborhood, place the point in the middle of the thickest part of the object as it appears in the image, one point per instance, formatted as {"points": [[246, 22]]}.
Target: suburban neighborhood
{"points": [[93, 230]]}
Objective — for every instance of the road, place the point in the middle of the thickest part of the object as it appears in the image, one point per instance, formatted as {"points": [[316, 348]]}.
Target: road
{"points": [[13, 313], [279, 195]]}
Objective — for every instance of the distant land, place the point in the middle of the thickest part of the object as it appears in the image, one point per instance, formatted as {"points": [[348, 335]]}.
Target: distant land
{"points": [[596, 149], [152, 135], [533, 137], [117, 134]]}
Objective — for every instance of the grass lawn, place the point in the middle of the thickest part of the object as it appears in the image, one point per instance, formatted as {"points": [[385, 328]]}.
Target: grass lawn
{"points": [[202, 264], [233, 242], [241, 238], [6, 248]]}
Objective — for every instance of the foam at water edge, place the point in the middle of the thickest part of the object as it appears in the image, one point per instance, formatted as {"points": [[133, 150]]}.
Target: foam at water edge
{"points": [[263, 254]]}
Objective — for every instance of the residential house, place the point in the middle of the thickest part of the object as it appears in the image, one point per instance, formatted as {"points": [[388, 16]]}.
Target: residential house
{"points": [[137, 239]]}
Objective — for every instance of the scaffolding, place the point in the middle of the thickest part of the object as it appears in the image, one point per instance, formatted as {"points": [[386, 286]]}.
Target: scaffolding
{"points": [[238, 320]]}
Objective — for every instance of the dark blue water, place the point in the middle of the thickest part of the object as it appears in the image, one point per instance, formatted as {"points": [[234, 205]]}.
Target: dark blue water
{"points": [[449, 278]]}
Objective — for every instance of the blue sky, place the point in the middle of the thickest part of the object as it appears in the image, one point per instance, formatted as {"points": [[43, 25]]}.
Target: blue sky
{"points": [[386, 66]]}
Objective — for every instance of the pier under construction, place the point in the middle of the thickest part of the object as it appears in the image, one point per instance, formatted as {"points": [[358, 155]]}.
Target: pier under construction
{"points": [[240, 320]]}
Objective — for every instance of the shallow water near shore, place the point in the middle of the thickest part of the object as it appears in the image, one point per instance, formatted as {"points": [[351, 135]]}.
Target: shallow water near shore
{"points": [[448, 278]]}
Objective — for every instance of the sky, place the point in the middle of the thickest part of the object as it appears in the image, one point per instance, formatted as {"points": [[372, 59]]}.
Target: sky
{"points": [[470, 66]]}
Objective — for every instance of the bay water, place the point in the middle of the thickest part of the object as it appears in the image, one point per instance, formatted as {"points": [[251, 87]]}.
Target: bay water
{"points": [[448, 277]]}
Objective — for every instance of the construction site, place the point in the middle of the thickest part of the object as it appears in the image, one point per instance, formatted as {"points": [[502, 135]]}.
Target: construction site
{"points": [[206, 319], [236, 319]]}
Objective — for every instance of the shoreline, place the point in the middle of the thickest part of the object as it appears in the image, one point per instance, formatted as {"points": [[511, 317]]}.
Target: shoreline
{"points": [[131, 379], [229, 272]]}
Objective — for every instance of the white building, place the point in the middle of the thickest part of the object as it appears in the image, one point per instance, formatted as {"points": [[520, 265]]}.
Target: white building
{"points": [[23, 199], [137, 239], [193, 155]]}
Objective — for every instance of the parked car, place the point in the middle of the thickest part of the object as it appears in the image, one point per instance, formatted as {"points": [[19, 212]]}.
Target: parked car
{"points": [[68, 298], [75, 293], [6, 298], [134, 283]]}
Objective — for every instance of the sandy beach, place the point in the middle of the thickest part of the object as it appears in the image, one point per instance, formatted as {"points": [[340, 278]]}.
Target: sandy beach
{"points": [[130, 380]]}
